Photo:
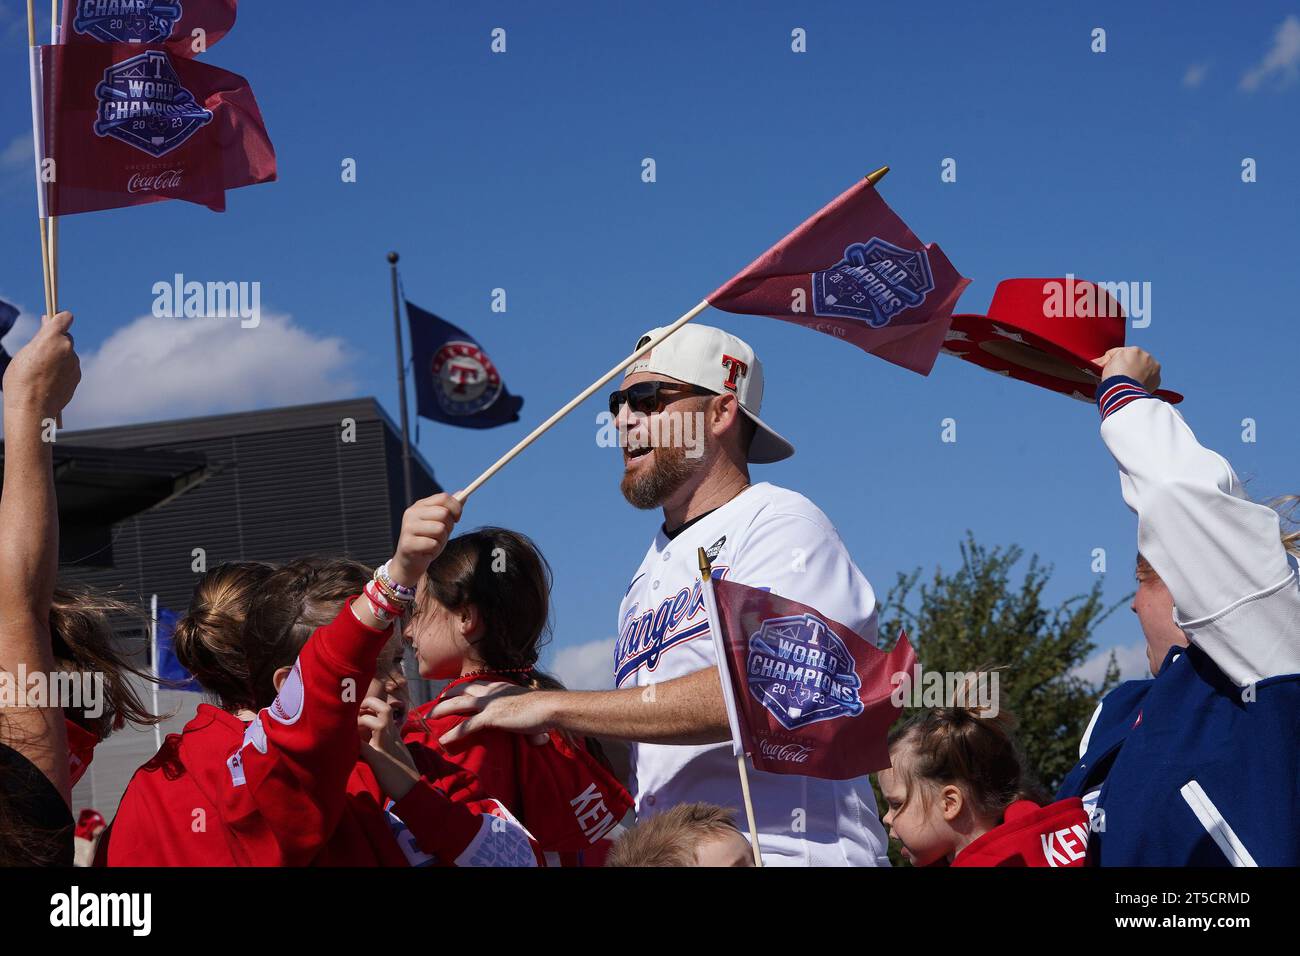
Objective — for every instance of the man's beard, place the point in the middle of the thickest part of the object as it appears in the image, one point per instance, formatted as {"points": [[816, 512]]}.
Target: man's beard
{"points": [[651, 489]]}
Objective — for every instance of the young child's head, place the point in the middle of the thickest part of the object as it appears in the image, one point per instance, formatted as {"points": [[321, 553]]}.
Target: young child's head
{"points": [[484, 604], [952, 774], [83, 641], [248, 622], [209, 639], [690, 834]]}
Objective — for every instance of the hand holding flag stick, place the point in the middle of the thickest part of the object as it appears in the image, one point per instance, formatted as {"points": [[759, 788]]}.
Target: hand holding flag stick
{"points": [[853, 270], [38, 148]]}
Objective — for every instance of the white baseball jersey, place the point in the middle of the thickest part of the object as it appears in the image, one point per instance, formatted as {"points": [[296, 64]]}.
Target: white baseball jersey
{"points": [[765, 537]]}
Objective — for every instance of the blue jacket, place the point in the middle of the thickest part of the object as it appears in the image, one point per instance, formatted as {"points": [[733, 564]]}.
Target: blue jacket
{"points": [[1187, 773]]}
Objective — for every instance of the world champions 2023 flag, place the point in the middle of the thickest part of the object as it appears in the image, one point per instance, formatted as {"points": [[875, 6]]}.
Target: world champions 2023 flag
{"points": [[178, 25], [856, 272], [805, 694], [127, 125]]}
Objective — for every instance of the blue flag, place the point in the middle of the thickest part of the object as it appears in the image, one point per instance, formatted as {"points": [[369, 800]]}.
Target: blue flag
{"points": [[455, 382], [173, 675], [8, 315]]}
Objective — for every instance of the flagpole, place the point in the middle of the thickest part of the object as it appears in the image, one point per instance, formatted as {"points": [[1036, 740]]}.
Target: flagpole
{"points": [[401, 384], [54, 220], [153, 644], [38, 139], [872, 178], [733, 717]]}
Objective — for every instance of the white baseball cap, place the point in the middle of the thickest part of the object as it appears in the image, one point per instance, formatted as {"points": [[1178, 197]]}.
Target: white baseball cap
{"points": [[717, 360]]}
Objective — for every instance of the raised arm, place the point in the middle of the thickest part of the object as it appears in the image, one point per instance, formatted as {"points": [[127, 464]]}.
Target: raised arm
{"points": [[38, 384], [297, 754], [1220, 554]]}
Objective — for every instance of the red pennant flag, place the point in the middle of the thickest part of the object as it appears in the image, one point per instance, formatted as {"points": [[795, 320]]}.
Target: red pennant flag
{"points": [[127, 126], [855, 271], [806, 695], [178, 25]]}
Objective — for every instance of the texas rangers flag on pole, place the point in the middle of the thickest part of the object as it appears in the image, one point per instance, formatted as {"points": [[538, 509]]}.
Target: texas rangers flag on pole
{"points": [[805, 694], [855, 271], [185, 27], [126, 126], [455, 381]]}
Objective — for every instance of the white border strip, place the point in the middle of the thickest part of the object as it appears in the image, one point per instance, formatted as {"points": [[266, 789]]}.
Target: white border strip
{"points": [[38, 126], [1215, 825]]}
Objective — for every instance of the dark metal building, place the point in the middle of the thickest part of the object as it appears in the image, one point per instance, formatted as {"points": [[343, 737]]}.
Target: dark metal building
{"points": [[265, 485]]}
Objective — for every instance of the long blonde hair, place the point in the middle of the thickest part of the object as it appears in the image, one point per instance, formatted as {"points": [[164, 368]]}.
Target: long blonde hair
{"points": [[1288, 509]]}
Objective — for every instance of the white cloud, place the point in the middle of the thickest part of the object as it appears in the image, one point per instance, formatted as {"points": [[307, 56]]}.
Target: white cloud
{"points": [[587, 666], [1132, 661], [1195, 75], [1281, 62], [18, 153], [159, 368]]}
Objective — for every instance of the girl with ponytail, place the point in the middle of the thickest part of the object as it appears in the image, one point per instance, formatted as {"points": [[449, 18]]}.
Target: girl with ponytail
{"points": [[957, 792], [482, 613]]}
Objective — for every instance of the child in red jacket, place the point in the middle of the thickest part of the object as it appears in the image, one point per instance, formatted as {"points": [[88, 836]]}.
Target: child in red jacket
{"points": [[956, 795], [273, 776], [482, 613]]}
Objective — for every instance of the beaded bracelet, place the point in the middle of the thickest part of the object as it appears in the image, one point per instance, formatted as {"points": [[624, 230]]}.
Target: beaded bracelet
{"points": [[401, 591], [388, 592]]}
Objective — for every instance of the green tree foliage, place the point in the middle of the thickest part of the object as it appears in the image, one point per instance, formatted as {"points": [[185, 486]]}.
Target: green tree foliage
{"points": [[976, 616]]}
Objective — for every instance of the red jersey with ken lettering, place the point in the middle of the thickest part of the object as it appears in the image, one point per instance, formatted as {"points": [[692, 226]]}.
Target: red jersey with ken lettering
{"points": [[1055, 835], [568, 801]]}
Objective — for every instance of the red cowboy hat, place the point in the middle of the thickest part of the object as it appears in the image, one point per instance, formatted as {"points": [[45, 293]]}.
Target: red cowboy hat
{"points": [[1045, 332]]}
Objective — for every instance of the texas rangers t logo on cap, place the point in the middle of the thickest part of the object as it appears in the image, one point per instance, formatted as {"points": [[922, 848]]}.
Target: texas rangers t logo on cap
{"points": [[127, 21], [873, 282], [142, 103], [800, 670], [735, 369]]}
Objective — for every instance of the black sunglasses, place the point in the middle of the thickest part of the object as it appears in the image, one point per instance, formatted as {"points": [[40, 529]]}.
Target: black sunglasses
{"points": [[646, 398]]}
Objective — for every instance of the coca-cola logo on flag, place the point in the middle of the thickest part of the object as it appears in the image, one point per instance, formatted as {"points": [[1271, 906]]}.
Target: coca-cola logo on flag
{"points": [[153, 182], [126, 21], [873, 283], [800, 670], [786, 752], [143, 104], [467, 380]]}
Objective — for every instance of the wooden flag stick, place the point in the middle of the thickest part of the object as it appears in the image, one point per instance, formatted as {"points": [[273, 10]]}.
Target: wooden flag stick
{"points": [[714, 620], [38, 119], [54, 220], [749, 809], [576, 401]]}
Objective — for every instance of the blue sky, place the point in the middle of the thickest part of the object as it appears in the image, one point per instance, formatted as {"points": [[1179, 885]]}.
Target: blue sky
{"points": [[522, 171]]}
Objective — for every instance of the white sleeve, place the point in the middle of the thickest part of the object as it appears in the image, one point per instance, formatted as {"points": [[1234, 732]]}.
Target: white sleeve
{"points": [[804, 560], [1236, 591]]}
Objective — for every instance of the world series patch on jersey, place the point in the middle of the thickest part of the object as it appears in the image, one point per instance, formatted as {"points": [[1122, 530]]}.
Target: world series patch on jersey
{"points": [[766, 537]]}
